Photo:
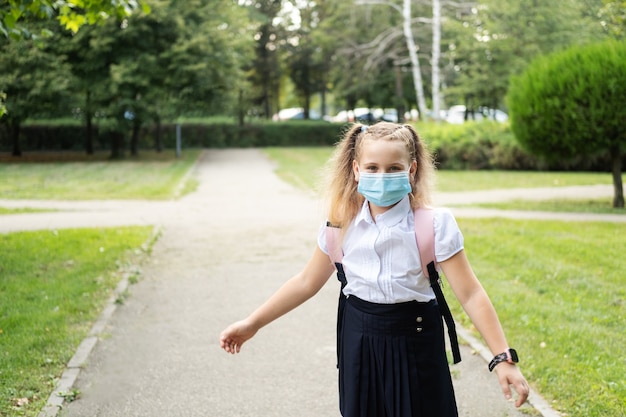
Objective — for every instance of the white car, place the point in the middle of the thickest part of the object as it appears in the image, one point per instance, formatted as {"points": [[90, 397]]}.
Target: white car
{"points": [[360, 114], [294, 113], [456, 115]]}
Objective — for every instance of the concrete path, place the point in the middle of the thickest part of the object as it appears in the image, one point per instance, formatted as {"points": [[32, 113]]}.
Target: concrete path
{"points": [[223, 250]]}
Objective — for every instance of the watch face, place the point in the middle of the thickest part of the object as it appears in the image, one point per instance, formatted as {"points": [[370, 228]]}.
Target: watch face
{"points": [[514, 357]]}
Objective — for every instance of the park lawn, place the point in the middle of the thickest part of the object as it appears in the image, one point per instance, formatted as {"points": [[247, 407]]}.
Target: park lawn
{"points": [[560, 292], [152, 176], [304, 168], [22, 210], [558, 286], [596, 206], [53, 286]]}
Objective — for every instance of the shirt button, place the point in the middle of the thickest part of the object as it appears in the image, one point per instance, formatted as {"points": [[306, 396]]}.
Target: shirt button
{"points": [[419, 329], [419, 319]]}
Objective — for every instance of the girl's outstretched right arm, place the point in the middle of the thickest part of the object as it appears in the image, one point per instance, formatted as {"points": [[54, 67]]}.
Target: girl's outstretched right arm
{"points": [[294, 292]]}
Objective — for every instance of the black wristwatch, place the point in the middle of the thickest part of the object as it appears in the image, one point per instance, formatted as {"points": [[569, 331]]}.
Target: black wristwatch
{"points": [[509, 356]]}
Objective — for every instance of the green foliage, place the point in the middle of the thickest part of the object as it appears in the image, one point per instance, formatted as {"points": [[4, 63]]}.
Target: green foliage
{"points": [[613, 15], [72, 15], [33, 80], [472, 145], [572, 102], [213, 133], [498, 39]]}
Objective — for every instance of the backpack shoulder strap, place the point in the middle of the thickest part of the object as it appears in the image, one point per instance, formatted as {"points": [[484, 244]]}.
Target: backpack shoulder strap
{"points": [[425, 236], [333, 239]]}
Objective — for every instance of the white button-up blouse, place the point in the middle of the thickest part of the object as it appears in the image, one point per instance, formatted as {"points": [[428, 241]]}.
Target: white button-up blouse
{"points": [[380, 259]]}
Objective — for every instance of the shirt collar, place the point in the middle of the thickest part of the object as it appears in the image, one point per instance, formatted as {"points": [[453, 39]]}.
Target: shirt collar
{"points": [[389, 218]]}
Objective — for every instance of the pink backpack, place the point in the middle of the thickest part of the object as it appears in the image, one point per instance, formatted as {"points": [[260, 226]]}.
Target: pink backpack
{"points": [[425, 237]]}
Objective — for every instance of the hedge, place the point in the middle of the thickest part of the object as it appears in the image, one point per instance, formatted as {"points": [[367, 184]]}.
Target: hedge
{"points": [[473, 145]]}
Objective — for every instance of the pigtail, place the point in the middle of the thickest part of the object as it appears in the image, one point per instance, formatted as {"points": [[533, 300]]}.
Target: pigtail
{"points": [[423, 181], [344, 200]]}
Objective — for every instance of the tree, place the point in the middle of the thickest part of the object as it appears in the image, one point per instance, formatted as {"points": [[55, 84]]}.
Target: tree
{"points": [[494, 39], [149, 67], [205, 70], [572, 103], [407, 19], [613, 15], [35, 81], [307, 65], [265, 68], [71, 14]]}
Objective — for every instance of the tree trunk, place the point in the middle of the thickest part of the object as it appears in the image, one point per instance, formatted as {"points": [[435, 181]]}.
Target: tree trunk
{"points": [[88, 124], [158, 143], [399, 93], [616, 169], [415, 64], [14, 127], [266, 101], [436, 53], [117, 145], [307, 106], [134, 139], [241, 114], [323, 100]]}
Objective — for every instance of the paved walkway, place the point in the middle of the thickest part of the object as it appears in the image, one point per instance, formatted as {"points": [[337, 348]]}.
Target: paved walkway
{"points": [[223, 250]]}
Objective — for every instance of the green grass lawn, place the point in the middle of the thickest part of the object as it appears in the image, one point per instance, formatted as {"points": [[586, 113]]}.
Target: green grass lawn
{"points": [[600, 206], [4, 210], [154, 176], [559, 287], [53, 285], [303, 166], [560, 292]]}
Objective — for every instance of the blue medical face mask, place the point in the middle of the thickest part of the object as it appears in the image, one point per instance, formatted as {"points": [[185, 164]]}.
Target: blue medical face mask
{"points": [[384, 189]]}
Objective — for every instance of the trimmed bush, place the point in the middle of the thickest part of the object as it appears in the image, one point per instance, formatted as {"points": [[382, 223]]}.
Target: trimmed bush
{"points": [[571, 103]]}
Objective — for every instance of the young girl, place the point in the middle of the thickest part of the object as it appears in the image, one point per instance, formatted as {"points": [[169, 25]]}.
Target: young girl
{"points": [[391, 351]]}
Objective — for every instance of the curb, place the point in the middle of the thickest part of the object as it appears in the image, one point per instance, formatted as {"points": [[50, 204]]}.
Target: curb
{"points": [[65, 384]]}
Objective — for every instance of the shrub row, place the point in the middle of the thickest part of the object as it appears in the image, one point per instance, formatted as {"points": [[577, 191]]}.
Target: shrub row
{"points": [[71, 136], [473, 145]]}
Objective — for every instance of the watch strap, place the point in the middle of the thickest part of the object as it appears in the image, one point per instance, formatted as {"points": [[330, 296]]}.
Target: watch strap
{"points": [[510, 356]]}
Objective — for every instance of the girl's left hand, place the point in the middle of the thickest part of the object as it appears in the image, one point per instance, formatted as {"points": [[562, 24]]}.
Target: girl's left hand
{"points": [[509, 374], [235, 335]]}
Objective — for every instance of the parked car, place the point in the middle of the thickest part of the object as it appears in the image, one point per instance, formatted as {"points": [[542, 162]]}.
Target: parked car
{"points": [[456, 114], [366, 115], [360, 114], [295, 113], [390, 115]]}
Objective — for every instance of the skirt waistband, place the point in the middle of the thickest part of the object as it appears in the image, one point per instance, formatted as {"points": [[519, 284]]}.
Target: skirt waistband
{"points": [[408, 307]]}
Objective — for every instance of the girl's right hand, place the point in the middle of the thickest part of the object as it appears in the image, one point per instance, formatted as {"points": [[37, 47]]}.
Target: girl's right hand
{"points": [[235, 335]]}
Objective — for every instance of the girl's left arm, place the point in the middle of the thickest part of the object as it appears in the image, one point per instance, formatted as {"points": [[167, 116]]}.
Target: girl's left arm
{"points": [[478, 306]]}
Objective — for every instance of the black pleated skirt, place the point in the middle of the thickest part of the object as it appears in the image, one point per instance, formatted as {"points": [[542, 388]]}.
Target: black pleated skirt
{"points": [[392, 361]]}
